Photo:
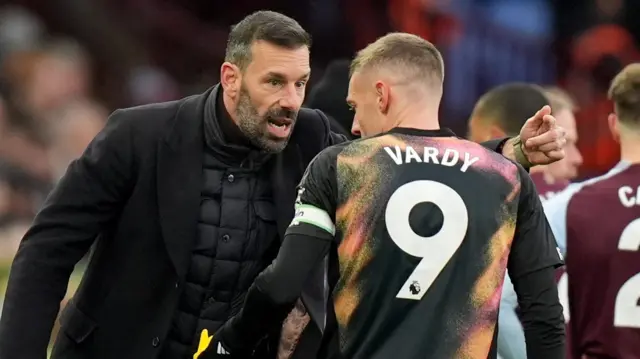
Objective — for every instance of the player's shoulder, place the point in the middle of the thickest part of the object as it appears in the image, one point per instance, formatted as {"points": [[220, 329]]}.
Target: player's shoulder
{"points": [[330, 154], [598, 186], [584, 190], [613, 178]]}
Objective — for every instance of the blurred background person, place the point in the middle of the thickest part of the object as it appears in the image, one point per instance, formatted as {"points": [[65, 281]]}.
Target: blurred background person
{"points": [[556, 176], [72, 127], [503, 110], [44, 79]]}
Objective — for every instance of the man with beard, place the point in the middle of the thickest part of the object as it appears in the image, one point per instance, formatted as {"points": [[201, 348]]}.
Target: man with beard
{"points": [[186, 202]]}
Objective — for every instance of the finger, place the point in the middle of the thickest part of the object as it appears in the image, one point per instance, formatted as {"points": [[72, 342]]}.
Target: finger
{"points": [[555, 155], [545, 111], [553, 146], [549, 120], [545, 138], [537, 120]]}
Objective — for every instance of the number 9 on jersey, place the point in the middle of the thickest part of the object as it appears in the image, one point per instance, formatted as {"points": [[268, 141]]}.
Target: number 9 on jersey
{"points": [[435, 251]]}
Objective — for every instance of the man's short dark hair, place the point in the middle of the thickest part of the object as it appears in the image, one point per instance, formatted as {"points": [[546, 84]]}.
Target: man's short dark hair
{"points": [[509, 106], [269, 26]]}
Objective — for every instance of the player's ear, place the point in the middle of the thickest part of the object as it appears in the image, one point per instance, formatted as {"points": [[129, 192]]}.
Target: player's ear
{"points": [[382, 94], [230, 79], [613, 126]]}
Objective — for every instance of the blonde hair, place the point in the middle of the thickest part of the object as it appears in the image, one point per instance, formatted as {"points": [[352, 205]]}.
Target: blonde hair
{"points": [[407, 54], [625, 94]]}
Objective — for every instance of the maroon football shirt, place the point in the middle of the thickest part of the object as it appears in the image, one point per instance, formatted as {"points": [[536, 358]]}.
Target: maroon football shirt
{"points": [[603, 265]]}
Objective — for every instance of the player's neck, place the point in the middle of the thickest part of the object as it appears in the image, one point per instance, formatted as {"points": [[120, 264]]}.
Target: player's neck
{"points": [[419, 117], [629, 145], [630, 152]]}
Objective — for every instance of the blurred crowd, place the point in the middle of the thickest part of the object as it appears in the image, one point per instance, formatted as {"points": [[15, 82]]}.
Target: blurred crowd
{"points": [[65, 66], [47, 118]]}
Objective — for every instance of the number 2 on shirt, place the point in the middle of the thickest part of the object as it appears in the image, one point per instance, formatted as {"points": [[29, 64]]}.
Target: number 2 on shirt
{"points": [[627, 312]]}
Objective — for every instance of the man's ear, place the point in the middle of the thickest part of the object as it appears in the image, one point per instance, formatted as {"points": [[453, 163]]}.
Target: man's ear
{"points": [[230, 79], [382, 93], [614, 126]]}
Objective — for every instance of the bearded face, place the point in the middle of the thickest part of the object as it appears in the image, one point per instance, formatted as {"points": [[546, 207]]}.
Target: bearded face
{"points": [[268, 93], [270, 130]]}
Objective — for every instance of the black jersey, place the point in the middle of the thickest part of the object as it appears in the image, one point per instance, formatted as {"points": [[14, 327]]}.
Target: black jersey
{"points": [[420, 227], [425, 226]]}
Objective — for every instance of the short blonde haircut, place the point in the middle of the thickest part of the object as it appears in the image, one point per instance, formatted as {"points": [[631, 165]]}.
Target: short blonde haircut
{"points": [[560, 99], [625, 94], [411, 55]]}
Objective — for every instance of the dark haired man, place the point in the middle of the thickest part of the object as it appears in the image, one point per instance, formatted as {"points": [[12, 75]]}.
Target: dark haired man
{"points": [[188, 201]]}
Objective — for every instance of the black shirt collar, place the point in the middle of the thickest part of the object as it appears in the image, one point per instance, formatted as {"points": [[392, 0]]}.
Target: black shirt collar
{"points": [[442, 132], [224, 139]]}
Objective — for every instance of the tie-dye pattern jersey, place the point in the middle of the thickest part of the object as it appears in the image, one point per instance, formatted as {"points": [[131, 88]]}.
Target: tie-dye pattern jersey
{"points": [[425, 225]]}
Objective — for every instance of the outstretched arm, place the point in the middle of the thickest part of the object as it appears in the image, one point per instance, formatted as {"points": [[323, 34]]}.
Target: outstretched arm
{"points": [[540, 142]]}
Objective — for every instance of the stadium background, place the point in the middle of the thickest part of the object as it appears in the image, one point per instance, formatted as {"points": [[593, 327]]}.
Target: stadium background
{"points": [[65, 64]]}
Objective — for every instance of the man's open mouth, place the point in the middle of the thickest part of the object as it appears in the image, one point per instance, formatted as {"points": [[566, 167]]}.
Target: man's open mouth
{"points": [[280, 122], [279, 126]]}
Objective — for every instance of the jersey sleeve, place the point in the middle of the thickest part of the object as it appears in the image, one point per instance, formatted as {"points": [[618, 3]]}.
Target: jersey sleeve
{"points": [[315, 205], [534, 245]]}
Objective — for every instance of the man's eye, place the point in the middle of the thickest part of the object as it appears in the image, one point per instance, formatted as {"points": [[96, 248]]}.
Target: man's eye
{"points": [[301, 84], [274, 82]]}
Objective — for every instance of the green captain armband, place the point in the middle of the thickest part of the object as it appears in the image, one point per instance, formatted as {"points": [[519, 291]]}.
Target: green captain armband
{"points": [[315, 216]]}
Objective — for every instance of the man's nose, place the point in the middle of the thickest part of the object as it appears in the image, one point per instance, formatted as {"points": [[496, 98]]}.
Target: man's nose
{"points": [[292, 98], [355, 128]]}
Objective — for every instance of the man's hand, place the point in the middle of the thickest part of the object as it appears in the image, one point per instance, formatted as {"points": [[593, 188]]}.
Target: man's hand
{"points": [[542, 139]]}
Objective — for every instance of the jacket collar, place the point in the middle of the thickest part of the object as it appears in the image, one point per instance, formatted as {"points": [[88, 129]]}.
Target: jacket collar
{"points": [[223, 137]]}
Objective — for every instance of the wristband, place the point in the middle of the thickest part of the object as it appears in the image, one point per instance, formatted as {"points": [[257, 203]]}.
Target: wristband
{"points": [[518, 152]]}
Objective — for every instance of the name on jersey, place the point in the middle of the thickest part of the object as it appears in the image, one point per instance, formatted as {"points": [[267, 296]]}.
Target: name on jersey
{"points": [[450, 157], [629, 197]]}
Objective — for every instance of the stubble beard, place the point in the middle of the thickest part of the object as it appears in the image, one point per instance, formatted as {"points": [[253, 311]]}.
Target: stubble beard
{"points": [[253, 126]]}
